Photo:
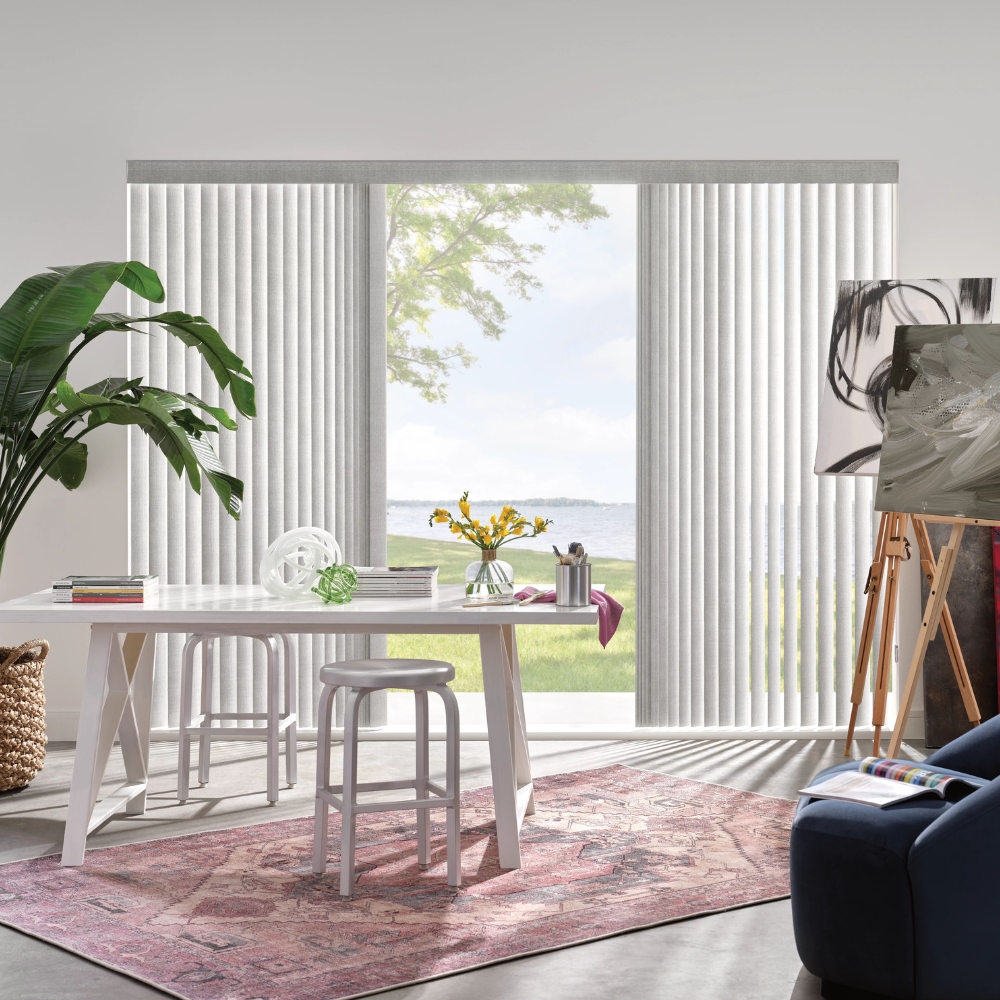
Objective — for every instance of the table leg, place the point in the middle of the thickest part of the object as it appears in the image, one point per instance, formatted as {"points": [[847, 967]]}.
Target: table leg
{"points": [[107, 709], [138, 651], [522, 759], [507, 742], [88, 767]]}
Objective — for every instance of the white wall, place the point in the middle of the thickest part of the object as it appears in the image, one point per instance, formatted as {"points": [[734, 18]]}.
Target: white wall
{"points": [[86, 86]]}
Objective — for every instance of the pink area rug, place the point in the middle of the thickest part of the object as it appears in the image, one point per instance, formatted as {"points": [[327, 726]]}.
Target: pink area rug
{"points": [[239, 915]]}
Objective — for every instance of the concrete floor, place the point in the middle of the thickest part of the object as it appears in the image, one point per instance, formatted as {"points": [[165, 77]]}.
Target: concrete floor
{"points": [[747, 954]]}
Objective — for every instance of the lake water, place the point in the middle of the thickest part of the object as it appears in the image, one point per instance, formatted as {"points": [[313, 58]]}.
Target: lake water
{"points": [[607, 532]]}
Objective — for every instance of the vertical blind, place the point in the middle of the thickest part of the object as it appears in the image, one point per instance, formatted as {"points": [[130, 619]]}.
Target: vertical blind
{"points": [[745, 557], [293, 276]]}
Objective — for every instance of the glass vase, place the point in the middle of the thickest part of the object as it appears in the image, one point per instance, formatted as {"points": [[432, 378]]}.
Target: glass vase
{"points": [[489, 578]]}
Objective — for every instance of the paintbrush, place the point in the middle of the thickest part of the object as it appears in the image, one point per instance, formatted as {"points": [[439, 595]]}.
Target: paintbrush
{"points": [[534, 597]]}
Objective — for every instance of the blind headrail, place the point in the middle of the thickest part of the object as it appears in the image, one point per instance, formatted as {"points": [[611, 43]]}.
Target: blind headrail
{"points": [[513, 171]]}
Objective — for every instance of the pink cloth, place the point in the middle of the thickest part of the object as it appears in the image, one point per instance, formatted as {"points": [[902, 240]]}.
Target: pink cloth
{"points": [[609, 611]]}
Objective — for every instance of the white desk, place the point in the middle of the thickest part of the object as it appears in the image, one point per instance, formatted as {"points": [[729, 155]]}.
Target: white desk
{"points": [[119, 679]]}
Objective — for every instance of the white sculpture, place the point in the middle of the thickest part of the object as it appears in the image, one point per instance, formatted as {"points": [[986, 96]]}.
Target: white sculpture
{"points": [[292, 562]]}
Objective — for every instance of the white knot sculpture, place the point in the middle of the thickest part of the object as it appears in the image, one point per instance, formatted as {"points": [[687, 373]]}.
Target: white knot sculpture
{"points": [[292, 562]]}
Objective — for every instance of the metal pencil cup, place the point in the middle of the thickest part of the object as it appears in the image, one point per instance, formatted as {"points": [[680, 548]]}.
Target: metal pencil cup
{"points": [[573, 586]]}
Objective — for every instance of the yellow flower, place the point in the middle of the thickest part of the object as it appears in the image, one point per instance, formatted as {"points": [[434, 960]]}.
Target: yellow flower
{"points": [[456, 529], [493, 519], [518, 529], [442, 519], [463, 506], [539, 525]]}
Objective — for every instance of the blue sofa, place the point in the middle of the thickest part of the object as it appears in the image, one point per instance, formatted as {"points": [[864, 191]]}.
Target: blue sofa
{"points": [[904, 902]]}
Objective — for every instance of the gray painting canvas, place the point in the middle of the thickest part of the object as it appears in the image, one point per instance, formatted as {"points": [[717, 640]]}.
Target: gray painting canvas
{"points": [[941, 449], [856, 378]]}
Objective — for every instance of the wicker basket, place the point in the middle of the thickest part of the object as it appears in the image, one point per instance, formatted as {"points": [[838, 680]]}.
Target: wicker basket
{"points": [[22, 713]]}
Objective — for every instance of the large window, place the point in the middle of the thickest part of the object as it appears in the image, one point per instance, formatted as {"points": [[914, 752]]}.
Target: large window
{"points": [[635, 368]]}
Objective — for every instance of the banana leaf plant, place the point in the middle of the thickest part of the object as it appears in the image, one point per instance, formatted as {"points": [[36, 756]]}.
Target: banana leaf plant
{"points": [[44, 325]]}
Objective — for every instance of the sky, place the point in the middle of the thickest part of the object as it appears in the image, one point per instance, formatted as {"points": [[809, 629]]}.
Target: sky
{"points": [[549, 410]]}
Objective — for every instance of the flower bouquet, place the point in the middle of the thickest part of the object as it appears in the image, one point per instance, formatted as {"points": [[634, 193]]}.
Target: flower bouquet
{"points": [[489, 578]]}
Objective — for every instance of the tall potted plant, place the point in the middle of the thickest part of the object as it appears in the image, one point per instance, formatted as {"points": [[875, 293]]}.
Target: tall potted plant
{"points": [[48, 320]]}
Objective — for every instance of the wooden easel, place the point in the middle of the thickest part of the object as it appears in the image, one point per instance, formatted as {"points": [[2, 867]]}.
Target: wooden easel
{"points": [[891, 549]]}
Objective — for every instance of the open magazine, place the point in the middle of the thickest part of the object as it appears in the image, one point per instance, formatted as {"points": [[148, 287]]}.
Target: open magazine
{"points": [[880, 783]]}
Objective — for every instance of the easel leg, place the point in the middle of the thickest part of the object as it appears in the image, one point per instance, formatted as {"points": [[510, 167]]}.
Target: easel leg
{"points": [[928, 627], [873, 588], [928, 566], [897, 550]]}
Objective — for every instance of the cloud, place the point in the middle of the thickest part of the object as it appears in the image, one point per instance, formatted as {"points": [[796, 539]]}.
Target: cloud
{"points": [[613, 360], [509, 452]]}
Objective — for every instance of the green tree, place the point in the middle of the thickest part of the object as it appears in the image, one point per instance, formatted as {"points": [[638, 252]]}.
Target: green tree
{"points": [[440, 236]]}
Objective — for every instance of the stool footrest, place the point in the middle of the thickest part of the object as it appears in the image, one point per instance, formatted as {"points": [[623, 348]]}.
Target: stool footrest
{"points": [[238, 715], [385, 786], [398, 804], [234, 732]]}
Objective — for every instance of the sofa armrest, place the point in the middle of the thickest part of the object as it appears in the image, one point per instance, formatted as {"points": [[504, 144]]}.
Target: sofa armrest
{"points": [[975, 752], [954, 868]]}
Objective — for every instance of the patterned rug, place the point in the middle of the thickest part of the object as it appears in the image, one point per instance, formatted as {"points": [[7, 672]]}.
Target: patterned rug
{"points": [[238, 915]]}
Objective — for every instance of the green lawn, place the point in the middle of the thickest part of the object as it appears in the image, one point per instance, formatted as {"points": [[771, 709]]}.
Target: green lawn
{"points": [[553, 657]]}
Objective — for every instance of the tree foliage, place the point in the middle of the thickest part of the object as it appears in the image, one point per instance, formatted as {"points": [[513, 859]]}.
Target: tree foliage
{"points": [[442, 239]]}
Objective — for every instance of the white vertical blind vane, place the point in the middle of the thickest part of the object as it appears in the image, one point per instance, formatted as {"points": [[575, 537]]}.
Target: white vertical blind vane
{"points": [[747, 560], [293, 276]]}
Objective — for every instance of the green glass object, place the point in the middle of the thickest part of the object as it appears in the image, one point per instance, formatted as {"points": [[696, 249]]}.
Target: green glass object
{"points": [[336, 583]]}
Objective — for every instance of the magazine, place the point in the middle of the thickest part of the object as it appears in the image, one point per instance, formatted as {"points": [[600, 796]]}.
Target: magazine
{"points": [[881, 783]]}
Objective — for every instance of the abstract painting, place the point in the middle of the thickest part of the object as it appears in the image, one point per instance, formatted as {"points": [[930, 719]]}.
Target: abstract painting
{"points": [[941, 450], [852, 410]]}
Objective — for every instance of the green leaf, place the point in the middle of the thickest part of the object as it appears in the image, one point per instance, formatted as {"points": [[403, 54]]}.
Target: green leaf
{"points": [[227, 367], [31, 378], [228, 487], [51, 309], [142, 280], [217, 411], [112, 387], [69, 398], [103, 322], [70, 466]]}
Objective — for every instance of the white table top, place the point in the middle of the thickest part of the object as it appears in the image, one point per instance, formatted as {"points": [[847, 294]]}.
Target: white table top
{"points": [[178, 606]]}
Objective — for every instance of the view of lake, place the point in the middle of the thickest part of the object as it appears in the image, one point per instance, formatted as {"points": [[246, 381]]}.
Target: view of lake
{"points": [[605, 531]]}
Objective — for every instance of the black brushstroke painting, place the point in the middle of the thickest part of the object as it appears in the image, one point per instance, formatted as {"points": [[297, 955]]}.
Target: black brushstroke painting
{"points": [[859, 359]]}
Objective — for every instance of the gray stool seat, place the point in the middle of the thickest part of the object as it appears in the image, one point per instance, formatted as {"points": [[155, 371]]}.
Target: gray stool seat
{"points": [[387, 673], [358, 678]]}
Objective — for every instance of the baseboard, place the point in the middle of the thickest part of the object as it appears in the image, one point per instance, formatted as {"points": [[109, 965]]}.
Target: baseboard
{"points": [[62, 726]]}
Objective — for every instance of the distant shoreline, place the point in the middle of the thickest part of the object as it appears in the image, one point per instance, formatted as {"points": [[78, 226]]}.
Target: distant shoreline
{"points": [[535, 501]]}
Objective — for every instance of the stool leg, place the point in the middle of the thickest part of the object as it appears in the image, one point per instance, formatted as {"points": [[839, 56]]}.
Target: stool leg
{"points": [[423, 776], [323, 725], [184, 743], [205, 742], [291, 709], [350, 794], [273, 717], [453, 774]]}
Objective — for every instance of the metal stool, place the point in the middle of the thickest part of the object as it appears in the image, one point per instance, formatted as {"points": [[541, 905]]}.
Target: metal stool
{"points": [[202, 729], [360, 677]]}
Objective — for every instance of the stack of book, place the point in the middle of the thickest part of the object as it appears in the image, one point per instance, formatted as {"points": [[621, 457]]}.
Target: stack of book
{"points": [[397, 581], [104, 589]]}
